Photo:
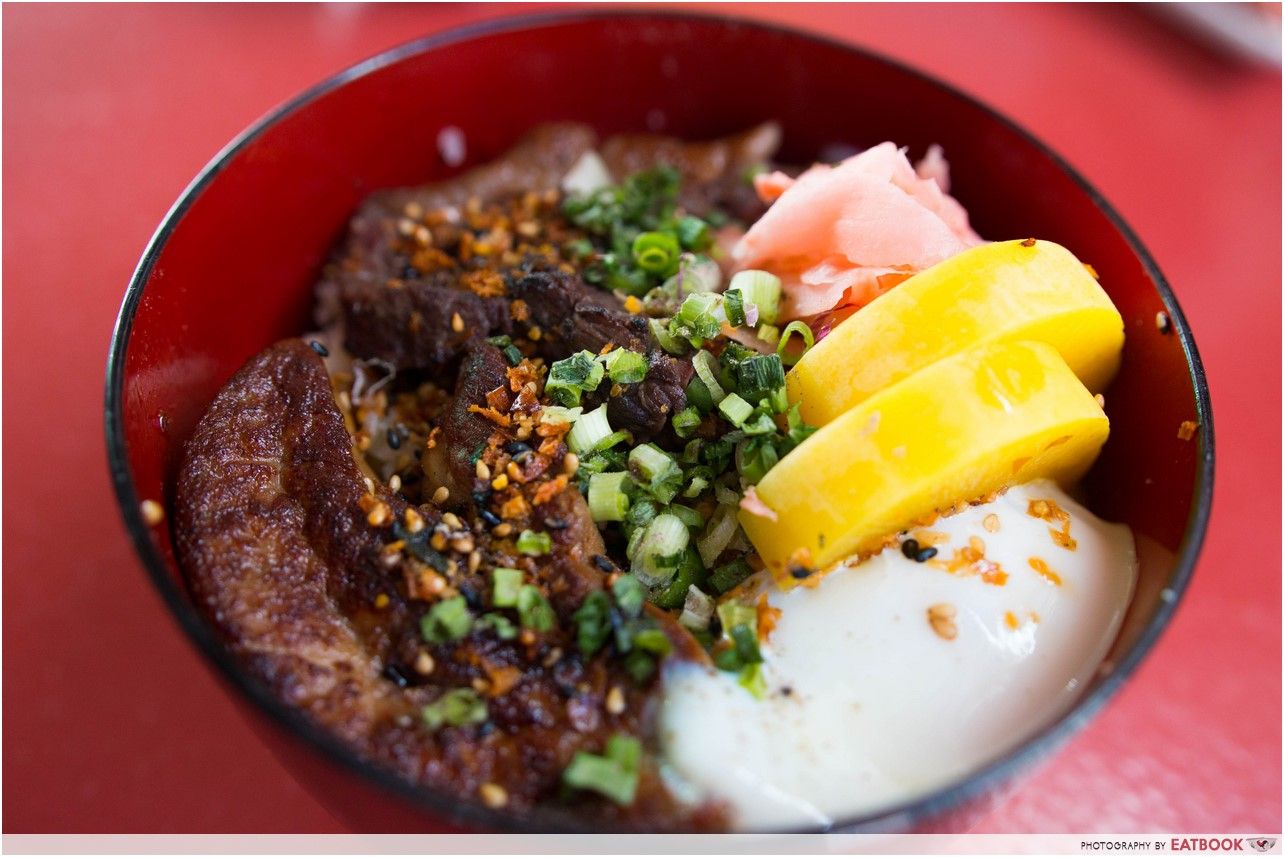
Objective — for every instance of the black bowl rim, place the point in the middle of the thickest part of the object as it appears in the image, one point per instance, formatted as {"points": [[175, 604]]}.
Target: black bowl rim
{"points": [[451, 807]]}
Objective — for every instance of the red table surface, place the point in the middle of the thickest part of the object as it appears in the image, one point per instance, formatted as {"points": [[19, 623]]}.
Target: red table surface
{"points": [[111, 722]]}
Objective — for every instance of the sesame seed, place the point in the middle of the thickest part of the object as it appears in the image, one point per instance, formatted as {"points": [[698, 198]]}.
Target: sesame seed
{"points": [[451, 520], [615, 700], [463, 544], [394, 483], [570, 463], [483, 470], [414, 521], [493, 795], [441, 495], [1100, 400], [941, 618], [379, 515], [424, 664], [991, 523], [1163, 323], [500, 482], [474, 560], [153, 512], [457, 323], [438, 541], [503, 530], [319, 348]]}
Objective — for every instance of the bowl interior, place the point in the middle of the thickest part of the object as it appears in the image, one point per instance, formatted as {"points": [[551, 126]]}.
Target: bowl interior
{"points": [[233, 266]]}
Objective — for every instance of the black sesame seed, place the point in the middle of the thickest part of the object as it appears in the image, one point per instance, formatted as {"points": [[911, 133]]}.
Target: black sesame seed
{"points": [[556, 523], [491, 519], [410, 272], [517, 450], [798, 572], [394, 674], [603, 563], [910, 548], [925, 554], [481, 499], [319, 348], [786, 691], [394, 437]]}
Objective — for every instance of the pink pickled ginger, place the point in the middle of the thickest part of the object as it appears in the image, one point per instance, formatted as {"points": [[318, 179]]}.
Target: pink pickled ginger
{"points": [[839, 236]]}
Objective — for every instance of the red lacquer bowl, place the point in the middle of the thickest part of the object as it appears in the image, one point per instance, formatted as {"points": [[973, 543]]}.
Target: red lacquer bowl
{"points": [[231, 270]]}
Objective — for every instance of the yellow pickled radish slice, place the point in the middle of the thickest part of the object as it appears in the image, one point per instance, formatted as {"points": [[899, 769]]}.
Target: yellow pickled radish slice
{"points": [[1003, 291], [995, 415]]}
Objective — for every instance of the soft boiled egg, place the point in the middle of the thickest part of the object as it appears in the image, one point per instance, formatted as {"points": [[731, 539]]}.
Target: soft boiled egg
{"points": [[892, 677]]}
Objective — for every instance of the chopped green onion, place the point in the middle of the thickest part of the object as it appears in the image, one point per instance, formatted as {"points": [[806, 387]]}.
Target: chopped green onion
{"points": [[652, 640], [726, 494], [686, 421], [459, 707], [569, 378], [768, 333], [758, 376], [697, 609], [695, 274], [745, 637], [533, 609], [724, 578], [503, 627], [588, 430], [660, 551], [505, 584], [614, 774], [656, 253], [446, 621], [694, 234], [759, 288], [555, 415], [606, 498], [761, 424], [752, 680], [640, 513], [592, 622], [612, 439], [715, 538], [698, 396], [670, 343], [754, 457], [733, 303], [532, 543], [629, 595], [505, 344], [656, 471], [695, 486], [735, 409], [688, 516], [624, 366], [699, 318], [809, 339], [690, 572], [706, 367], [639, 665]]}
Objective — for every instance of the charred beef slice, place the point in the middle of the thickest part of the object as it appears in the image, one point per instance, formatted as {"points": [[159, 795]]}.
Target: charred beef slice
{"points": [[574, 319], [280, 553]]}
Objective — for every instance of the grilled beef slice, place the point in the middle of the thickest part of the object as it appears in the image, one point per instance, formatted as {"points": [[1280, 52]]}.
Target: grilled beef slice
{"points": [[280, 554]]}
